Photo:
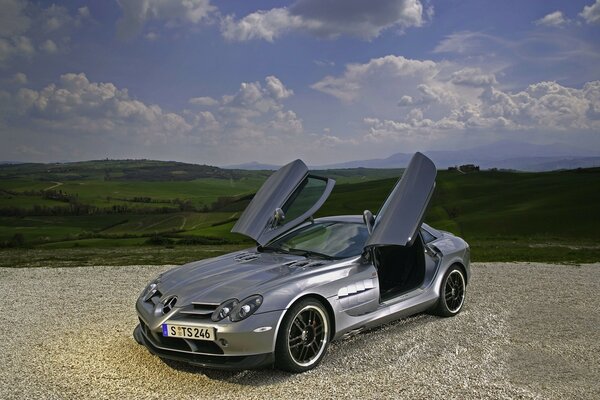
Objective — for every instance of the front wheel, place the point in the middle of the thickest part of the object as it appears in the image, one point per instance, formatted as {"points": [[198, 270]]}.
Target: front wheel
{"points": [[452, 293], [303, 337]]}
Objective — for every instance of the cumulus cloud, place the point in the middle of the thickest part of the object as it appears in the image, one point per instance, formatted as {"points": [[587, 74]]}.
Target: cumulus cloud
{"points": [[79, 109], [277, 89], [554, 19], [544, 105], [13, 20], [49, 46], [356, 77], [15, 46], [171, 12], [326, 18], [87, 108], [54, 18], [437, 98], [473, 77], [591, 13], [25, 26]]}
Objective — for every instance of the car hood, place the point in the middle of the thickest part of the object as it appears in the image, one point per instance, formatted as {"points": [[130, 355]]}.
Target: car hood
{"points": [[236, 275]]}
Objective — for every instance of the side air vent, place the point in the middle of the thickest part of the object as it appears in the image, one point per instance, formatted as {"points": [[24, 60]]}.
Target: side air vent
{"points": [[245, 257], [304, 263]]}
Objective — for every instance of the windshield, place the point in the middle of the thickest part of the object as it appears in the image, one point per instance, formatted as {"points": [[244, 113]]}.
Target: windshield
{"points": [[328, 239]]}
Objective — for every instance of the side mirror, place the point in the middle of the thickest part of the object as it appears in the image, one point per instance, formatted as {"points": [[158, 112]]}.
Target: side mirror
{"points": [[369, 220], [278, 217]]}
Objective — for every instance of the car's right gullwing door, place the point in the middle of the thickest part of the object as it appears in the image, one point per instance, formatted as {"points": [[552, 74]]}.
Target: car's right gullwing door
{"points": [[399, 219]]}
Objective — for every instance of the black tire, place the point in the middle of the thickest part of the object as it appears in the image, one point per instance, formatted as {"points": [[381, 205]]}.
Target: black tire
{"points": [[303, 337], [452, 293]]}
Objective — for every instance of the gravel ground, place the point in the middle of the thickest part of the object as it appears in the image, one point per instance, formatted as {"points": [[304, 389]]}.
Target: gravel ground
{"points": [[527, 331]]}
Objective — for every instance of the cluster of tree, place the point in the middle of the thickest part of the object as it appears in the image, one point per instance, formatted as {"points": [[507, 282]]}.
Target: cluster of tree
{"points": [[174, 172], [81, 209], [139, 199], [163, 240], [17, 240]]}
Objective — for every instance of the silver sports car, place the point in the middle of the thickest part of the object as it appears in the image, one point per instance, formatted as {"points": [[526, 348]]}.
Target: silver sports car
{"points": [[308, 281]]}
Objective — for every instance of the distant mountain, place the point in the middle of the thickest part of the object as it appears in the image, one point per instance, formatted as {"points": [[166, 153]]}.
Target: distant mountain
{"points": [[255, 166], [11, 162], [506, 154]]}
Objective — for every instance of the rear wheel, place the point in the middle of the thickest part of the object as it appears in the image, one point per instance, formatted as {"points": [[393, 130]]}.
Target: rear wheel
{"points": [[303, 337], [452, 293]]}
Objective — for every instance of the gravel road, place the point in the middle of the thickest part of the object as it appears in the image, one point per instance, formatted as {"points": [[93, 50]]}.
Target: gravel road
{"points": [[527, 331]]}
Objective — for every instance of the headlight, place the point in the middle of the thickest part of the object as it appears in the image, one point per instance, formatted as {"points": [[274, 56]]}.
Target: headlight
{"points": [[151, 288], [224, 309], [246, 308]]}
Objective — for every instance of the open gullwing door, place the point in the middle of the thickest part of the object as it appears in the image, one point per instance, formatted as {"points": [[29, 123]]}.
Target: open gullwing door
{"points": [[286, 199], [400, 217]]}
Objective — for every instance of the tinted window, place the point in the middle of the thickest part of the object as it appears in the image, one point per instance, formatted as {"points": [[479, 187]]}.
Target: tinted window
{"points": [[304, 197], [334, 239], [427, 237]]}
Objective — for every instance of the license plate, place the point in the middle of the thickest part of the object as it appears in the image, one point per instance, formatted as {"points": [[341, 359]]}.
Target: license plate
{"points": [[188, 332]]}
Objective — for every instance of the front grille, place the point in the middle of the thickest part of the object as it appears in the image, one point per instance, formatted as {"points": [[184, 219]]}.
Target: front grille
{"points": [[154, 298], [190, 346], [197, 310]]}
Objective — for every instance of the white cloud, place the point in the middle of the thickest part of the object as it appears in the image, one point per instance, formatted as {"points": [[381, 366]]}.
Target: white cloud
{"points": [[439, 99], [13, 20], [358, 76], [55, 18], [172, 12], [25, 26], [49, 46], [84, 12], [277, 89], [76, 105], [591, 13], [465, 42], [15, 46], [554, 19], [203, 101], [81, 111], [19, 78], [473, 77], [267, 25], [151, 36], [326, 18]]}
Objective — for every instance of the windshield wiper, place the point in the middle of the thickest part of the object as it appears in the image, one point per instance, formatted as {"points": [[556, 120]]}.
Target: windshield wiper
{"points": [[309, 253], [270, 249]]}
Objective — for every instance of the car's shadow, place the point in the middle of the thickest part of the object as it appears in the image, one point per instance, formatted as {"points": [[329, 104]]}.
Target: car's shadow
{"points": [[255, 377], [340, 350]]}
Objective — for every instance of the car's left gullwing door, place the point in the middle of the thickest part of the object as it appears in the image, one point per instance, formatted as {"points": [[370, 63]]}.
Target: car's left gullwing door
{"points": [[290, 189], [399, 219]]}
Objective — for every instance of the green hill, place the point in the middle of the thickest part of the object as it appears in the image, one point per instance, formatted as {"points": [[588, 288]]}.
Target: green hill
{"points": [[550, 216]]}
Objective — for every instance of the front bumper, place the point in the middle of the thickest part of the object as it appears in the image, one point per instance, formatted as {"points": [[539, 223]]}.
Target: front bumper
{"points": [[205, 360], [249, 343]]}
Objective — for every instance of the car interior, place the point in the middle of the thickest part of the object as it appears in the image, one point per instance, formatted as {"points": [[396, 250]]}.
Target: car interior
{"points": [[399, 268]]}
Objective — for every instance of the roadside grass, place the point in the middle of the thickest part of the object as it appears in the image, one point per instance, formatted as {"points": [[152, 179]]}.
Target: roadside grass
{"points": [[527, 250], [88, 257]]}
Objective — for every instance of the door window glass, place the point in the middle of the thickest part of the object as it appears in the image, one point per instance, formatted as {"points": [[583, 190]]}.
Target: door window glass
{"points": [[304, 197]]}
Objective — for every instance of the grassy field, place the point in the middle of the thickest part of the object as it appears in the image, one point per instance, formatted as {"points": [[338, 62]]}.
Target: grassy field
{"points": [[505, 216]]}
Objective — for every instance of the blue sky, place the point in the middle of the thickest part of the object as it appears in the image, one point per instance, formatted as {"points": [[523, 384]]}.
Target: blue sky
{"points": [[323, 80]]}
